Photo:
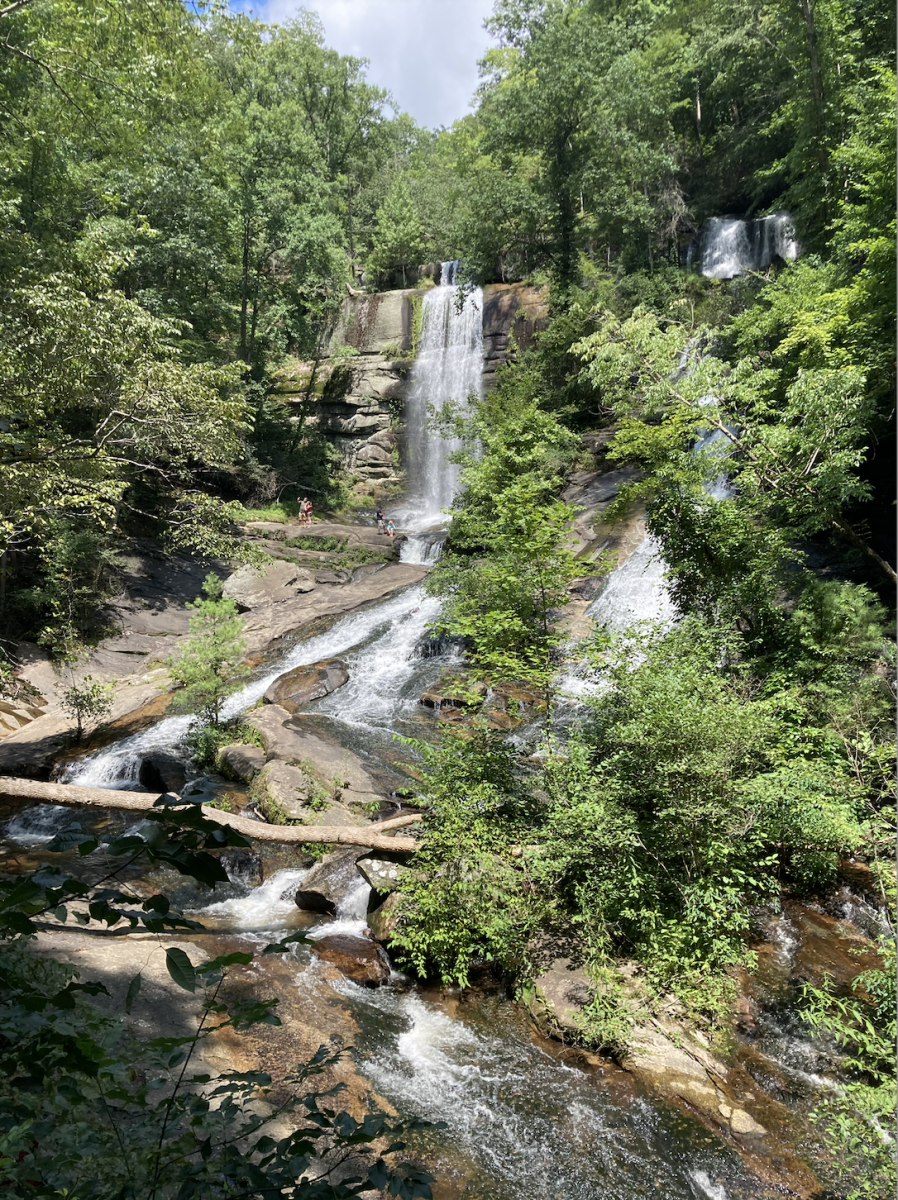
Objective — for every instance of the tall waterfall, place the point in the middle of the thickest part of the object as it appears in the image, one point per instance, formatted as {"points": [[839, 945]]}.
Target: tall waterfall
{"points": [[448, 369], [731, 246]]}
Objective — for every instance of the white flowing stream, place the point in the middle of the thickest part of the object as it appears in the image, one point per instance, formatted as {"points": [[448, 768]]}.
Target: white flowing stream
{"points": [[520, 1122]]}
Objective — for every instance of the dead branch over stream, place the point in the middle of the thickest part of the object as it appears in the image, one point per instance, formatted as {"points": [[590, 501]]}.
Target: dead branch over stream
{"points": [[86, 797]]}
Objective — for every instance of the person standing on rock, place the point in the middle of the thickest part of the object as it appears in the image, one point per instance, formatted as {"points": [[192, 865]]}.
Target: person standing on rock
{"points": [[307, 507], [302, 509], [380, 520]]}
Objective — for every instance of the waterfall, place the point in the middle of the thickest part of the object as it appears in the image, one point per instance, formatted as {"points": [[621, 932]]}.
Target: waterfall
{"points": [[731, 246], [447, 370]]}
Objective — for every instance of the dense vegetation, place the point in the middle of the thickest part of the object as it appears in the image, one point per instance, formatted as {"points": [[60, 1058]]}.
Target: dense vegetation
{"points": [[185, 194]]}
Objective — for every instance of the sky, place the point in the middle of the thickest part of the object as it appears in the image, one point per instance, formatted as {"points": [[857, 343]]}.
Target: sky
{"points": [[424, 52]]}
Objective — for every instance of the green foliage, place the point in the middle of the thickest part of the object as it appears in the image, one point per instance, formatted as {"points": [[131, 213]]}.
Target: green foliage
{"points": [[89, 1108], [858, 1120], [88, 700], [398, 239], [209, 666]]}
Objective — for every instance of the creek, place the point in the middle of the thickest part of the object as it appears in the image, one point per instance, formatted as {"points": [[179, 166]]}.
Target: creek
{"points": [[524, 1117]]}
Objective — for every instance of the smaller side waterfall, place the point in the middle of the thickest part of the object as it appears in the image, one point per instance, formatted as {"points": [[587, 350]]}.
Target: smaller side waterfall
{"points": [[731, 246], [448, 369]]}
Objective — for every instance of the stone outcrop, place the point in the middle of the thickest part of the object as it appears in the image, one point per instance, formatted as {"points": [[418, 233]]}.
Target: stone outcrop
{"points": [[355, 392], [302, 685], [358, 958], [241, 762], [329, 882], [337, 771], [278, 581]]}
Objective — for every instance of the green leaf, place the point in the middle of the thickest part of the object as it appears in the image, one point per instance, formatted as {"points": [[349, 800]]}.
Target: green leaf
{"points": [[133, 990], [181, 969]]}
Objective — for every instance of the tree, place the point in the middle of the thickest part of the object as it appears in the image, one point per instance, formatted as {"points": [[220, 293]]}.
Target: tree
{"points": [[399, 235], [88, 700], [209, 666]]}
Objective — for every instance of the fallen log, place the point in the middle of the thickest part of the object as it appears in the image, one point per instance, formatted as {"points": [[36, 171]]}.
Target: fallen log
{"points": [[88, 797]]}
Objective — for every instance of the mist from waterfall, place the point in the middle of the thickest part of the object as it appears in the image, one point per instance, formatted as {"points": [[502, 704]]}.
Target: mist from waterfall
{"points": [[448, 369]]}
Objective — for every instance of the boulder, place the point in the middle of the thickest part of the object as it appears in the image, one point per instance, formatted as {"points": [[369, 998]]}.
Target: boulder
{"points": [[382, 921], [302, 685], [286, 739], [382, 873], [329, 882], [277, 582], [161, 772], [355, 957], [453, 692], [241, 762], [284, 791]]}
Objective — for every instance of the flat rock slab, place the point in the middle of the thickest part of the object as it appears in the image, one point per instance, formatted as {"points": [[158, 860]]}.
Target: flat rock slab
{"points": [[300, 795], [272, 621], [303, 685], [286, 739], [278, 581]]}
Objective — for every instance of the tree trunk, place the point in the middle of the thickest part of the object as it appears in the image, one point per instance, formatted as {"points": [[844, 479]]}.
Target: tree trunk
{"points": [[244, 290], [343, 835]]}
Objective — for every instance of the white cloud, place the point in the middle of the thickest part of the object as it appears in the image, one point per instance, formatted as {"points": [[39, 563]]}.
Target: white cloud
{"points": [[424, 52]]}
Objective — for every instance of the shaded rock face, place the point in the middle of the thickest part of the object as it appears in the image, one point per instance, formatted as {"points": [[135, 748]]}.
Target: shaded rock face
{"points": [[512, 313], [302, 685], [161, 772], [241, 762], [279, 581], [329, 882], [382, 921], [355, 957]]}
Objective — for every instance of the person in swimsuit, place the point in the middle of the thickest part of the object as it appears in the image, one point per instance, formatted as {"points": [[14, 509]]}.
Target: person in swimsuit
{"points": [[308, 512], [391, 529], [302, 509]]}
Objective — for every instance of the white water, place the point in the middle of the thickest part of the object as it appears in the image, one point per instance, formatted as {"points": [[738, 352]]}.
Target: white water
{"points": [[269, 906], [447, 370], [118, 766], [731, 246], [351, 917], [531, 1125]]}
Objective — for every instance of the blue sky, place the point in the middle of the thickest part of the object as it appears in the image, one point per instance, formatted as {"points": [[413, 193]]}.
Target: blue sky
{"points": [[424, 51]]}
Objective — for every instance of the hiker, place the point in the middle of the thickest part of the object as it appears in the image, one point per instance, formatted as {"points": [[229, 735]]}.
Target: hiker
{"points": [[391, 529], [307, 509], [380, 520], [302, 509]]}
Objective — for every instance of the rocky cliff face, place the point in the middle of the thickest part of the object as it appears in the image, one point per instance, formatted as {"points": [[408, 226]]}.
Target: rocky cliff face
{"points": [[355, 393]]}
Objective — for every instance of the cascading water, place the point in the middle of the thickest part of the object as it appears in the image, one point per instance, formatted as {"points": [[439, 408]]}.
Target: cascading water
{"points": [[731, 246], [118, 766], [447, 370]]}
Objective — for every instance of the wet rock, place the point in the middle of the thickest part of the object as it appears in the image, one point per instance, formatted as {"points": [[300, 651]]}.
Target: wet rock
{"points": [[245, 865], [355, 957], [329, 882], [338, 771], [453, 692], [161, 772], [277, 582], [302, 685], [241, 762]]}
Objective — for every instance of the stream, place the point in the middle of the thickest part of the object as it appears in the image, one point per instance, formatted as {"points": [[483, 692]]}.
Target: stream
{"points": [[526, 1119]]}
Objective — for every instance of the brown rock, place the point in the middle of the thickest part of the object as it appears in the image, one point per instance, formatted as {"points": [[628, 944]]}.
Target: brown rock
{"points": [[241, 762], [355, 957], [382, 921], [302, 685]]}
